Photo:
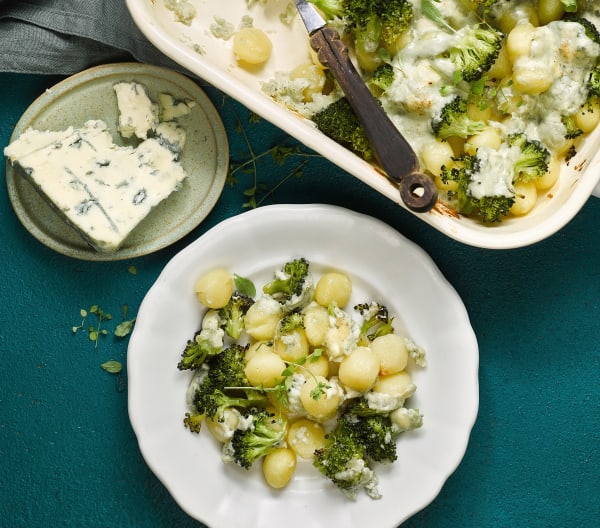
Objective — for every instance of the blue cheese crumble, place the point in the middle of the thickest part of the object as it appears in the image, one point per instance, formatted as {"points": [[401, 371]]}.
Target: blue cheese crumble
{"points": [[138, 115]]}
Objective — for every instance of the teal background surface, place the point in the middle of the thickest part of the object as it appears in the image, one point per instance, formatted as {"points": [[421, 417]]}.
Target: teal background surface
{"points": [[70, 458]]}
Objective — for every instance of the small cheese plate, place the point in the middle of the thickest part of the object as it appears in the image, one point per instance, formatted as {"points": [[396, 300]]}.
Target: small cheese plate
{"points": [[90, 95]]}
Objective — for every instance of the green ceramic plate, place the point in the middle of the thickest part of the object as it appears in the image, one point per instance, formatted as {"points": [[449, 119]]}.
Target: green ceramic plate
{"points": [[90, 95]]}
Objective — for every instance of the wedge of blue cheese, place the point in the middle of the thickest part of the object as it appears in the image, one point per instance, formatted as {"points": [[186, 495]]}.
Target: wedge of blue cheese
{"points": [[100, 188]]}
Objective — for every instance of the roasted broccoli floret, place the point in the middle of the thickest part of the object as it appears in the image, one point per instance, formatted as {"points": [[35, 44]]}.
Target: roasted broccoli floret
{"points": [[339, 122], [233, 314], [193, 421], [378, 437], [290, 322], [383, 77], [212, 404], [475, 47], [572, 130], [360, 407], [492, 208], [453, 121], [489, 208], [593, 82], [593, 88], [226, 370], [195, 353], [252, 442], [376, 429], [225, 385], [206, 342], [460, 171], [377, 23], [344, 461], [533, 160], [475, 52], [376, 321], [292, 286]]}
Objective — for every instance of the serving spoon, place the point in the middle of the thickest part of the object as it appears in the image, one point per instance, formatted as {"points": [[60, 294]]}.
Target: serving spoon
{"points": [[396, 156]]}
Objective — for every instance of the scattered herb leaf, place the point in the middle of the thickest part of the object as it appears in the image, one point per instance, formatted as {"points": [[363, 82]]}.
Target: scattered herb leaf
{"points": [[112, 366], [124, 328], [244, 285], [431, 11]]}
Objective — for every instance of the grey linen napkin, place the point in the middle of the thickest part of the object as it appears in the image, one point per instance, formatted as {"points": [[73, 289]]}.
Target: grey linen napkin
{"points": [[62, 37]]}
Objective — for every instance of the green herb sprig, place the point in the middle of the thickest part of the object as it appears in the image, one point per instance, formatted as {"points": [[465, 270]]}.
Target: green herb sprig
{"points": [[94, 330], [280, 154], [97, 328], [282, 387]]}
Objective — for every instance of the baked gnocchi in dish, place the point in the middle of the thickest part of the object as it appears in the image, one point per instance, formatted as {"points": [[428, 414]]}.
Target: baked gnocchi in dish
{"points": [[290, 374], [494, 96], [291, 86]]}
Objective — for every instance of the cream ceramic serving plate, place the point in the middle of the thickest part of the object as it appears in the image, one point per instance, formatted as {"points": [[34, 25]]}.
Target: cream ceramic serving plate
{"points": [[194, 47], [383, 266], [90, 95]]}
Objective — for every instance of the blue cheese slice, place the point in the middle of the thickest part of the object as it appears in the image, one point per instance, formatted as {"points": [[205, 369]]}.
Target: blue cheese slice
{"points": [[103, 190], [138, 115]]}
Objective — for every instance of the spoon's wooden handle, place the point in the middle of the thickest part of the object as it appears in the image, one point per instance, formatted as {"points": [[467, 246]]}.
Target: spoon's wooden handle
{"points": [[393, 151]]}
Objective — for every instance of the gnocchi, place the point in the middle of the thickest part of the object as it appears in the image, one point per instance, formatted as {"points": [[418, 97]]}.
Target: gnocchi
{"points": [[305, 437], [359, 370], [264, 368], [321, 398], [398, 384], [251, 46], [215, 288], [316, 324], [278, 467], [525, 198], [333, 287], [392, 353], [291, 346], [262, 318]]}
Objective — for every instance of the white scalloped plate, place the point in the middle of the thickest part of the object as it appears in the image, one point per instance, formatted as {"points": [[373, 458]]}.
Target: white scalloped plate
{"points": [[216, 64], [383, 266]]}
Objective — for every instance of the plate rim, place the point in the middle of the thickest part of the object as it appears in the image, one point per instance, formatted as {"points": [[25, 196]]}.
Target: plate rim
{"points": [[169, 237], [299, 210]]}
